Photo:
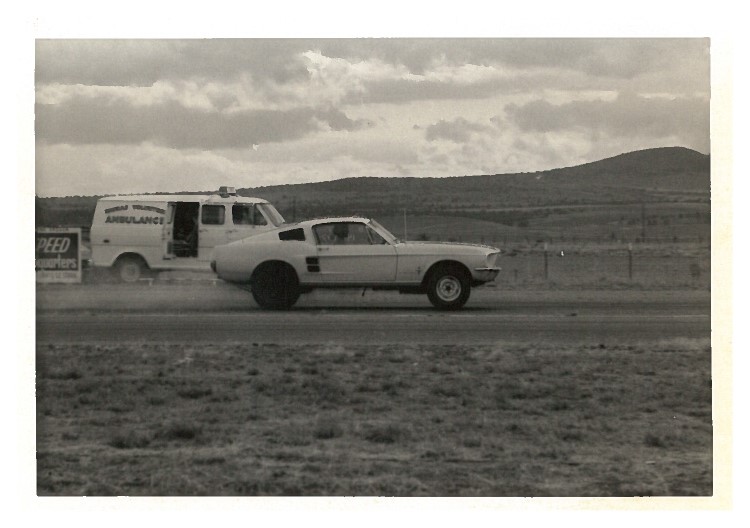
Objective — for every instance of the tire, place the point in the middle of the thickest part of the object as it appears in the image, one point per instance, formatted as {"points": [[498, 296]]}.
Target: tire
{"points": [[449, 288], [276, 287], [130, 268]]}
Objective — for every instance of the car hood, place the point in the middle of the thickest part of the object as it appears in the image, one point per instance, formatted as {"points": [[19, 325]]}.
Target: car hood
{"points": [[442, 247]]}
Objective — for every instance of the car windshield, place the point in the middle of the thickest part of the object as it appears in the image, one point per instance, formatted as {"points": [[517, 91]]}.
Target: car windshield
{"points": [[272, 214], [384, 232]]}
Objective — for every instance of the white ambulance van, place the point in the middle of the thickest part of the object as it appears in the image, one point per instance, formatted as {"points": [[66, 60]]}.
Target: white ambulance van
{"points": [[138, 235]]}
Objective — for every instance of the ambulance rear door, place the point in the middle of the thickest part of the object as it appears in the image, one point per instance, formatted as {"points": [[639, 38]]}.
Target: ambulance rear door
{"points": [[167, 232]]}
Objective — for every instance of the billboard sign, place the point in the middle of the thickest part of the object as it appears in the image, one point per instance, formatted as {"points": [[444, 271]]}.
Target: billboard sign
{"points": [[58, 254]]}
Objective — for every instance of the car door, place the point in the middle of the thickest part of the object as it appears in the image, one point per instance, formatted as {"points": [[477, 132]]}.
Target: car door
{"points": [[361, 256]]}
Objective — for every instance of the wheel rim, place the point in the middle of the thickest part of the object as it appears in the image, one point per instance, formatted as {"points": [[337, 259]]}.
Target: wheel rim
{"points": [[130, 272], [448, 288]]}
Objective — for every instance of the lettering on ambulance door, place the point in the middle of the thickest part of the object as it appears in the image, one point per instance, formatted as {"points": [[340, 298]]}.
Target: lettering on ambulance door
{"points": [[213, 230]]}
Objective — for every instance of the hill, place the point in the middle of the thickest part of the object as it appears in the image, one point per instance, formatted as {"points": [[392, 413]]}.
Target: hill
{"points": [[673, 174], [672, 168], [573, 197]]}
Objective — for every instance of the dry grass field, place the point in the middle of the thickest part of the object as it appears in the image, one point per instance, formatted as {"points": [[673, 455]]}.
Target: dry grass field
{"points": [[374, 420]]}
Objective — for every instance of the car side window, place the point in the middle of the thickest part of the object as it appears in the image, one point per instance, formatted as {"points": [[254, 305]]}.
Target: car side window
{"points": [[242, 214], [324, 234], [247, 214], [342, 233], [212, 215], [293, 234]]}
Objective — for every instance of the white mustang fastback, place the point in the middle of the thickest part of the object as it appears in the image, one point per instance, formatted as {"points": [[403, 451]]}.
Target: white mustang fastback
{"points": [[354, 252]]}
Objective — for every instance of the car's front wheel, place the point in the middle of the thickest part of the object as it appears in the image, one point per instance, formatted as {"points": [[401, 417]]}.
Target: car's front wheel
{"points": [[449, 288], [275, 287]]}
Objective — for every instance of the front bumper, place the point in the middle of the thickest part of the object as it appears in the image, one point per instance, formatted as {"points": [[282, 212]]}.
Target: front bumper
{"points": [[485, 274]]}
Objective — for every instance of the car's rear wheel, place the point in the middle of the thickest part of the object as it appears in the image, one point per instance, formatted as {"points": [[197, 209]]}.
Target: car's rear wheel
{"points": [[275, 286], [449, 287]]}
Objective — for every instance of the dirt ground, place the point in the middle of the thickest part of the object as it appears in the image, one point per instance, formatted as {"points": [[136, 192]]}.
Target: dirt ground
{"points": [[511, 420]]}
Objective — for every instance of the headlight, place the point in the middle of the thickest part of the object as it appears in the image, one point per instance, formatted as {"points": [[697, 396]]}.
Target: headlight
{"points": [[492, 259]]}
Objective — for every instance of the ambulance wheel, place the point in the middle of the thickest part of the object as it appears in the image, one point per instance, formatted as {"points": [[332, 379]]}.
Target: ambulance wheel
{"points": [[130, 268], [275, 286]]}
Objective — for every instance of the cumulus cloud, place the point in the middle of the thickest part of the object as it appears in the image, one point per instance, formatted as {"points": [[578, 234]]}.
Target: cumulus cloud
{"points": [[601, 57], [367, 149], [459, 130], [354, 81], [408, 90], [628, 115], [143, 62], [678, 67], [374, 70], [103, 120]]}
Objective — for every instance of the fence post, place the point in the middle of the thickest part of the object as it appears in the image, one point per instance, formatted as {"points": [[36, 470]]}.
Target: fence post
{"points": [[546, 264], [630, 261]]}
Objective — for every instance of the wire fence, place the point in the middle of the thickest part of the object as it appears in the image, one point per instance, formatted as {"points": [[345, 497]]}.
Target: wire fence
{"points": [[627, 268]]}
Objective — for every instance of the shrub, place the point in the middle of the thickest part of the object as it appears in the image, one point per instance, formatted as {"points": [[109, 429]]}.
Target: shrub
{"points": [[651, 440], [179, 431], [156, 400], [69, 374], [559, 406], [446, 391], [472, 441], [570, 436], [194, 393], [325, 390], [326, 429], [385, 434], [129, 440]]}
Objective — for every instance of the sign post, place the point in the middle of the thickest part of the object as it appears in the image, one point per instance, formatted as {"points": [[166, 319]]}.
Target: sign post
{"points": [[58, 254]]}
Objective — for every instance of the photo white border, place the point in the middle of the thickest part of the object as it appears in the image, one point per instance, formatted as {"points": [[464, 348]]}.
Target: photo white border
{"points": [[387, 18]]}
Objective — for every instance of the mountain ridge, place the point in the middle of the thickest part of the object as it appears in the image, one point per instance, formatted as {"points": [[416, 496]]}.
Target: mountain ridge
{"points": [[659, 175], [654, 175], [659, 160]]}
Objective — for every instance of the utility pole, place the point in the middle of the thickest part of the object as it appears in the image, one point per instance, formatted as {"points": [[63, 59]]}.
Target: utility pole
{"points": [[643, 221], [404, 224]]}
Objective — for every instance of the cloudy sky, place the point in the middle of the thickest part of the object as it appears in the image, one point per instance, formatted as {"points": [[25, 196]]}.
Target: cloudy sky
{"points": [[123, 116]]}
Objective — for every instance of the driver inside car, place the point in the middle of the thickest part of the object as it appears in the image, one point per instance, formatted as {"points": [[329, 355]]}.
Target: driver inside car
{"points": [[340, 234]]}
